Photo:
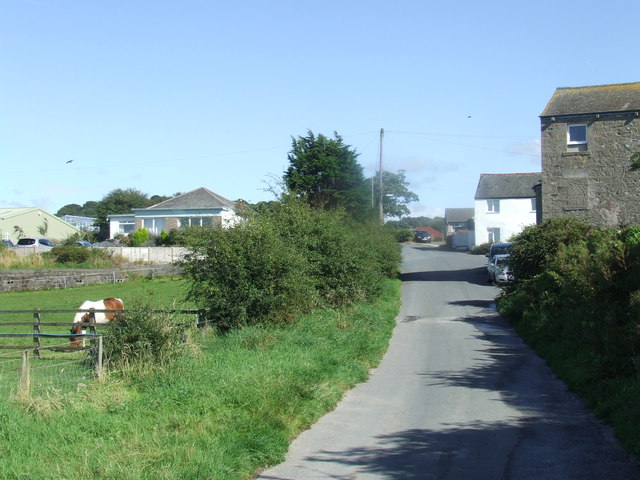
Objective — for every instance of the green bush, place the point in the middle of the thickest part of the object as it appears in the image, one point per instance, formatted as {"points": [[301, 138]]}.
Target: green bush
{"points": [[482, 249], [70, 254], [246, 275], [401, 235], [139, 237], [142, 335], [577, 300], [283, 261]]}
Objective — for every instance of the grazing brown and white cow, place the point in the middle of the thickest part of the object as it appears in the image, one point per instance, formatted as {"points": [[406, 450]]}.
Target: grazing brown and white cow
{"points": [[100, 317]]}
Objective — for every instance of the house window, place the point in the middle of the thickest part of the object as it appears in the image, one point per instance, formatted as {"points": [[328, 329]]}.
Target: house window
{"points": [[534, 204], [126, 228], [577, 137], [493, 235], [493, 206]]}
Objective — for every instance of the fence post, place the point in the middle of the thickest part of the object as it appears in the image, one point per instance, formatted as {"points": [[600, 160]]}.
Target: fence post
{"points": [[99, 359], [24, 374], [92, 327], [36, 331]]}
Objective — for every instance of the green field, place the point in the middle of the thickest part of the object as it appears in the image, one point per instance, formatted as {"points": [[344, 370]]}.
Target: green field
{"points": [[223, 410], [163, 290]]}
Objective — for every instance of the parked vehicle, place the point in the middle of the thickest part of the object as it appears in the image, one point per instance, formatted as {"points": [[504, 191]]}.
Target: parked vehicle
{"points": [[421, 236], [498, 249], [83, 243], [8, 243], [498, 269], [34, 242]]}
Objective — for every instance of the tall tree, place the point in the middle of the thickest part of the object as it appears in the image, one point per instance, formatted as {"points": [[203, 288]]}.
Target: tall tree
{"points": [[118, 202], [326, 174], [86, 210], [396, 193]]}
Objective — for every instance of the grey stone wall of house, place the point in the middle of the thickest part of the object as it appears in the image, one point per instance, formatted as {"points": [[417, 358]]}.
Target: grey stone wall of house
{"points": [[597, 185], [20, 280]]}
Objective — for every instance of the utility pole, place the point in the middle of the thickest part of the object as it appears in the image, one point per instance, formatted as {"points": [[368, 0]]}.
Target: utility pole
{"points": [[380, 175]]}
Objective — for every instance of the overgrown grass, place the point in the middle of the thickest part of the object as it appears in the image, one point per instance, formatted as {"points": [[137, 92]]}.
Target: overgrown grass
{"points": [[220, 413], [60, 257]]}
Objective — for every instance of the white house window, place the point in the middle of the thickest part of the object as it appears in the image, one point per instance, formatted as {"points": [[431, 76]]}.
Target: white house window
{"points": [[493, 206], [533, 204], [493, 235], [126, 227], [577, 137]]}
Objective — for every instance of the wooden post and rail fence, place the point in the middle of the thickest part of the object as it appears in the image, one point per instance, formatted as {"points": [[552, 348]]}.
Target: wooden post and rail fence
{"points": [[96, 340]]}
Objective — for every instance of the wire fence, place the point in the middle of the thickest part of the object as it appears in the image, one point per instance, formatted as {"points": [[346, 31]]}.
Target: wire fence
{"points": [[46, 371], [37, 364]]}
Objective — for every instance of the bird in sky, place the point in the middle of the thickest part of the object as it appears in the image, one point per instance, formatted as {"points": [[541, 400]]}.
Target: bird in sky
{"points": [[69, 161]]}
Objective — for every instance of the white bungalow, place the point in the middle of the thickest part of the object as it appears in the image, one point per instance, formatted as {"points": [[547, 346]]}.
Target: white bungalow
{"points": [[200, 207]]}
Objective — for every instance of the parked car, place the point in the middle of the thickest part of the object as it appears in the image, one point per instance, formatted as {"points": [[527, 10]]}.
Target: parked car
{"points": [[421, 236], [83, 243], [498, 269], [34, 242], [498, 249], [8, 243]]}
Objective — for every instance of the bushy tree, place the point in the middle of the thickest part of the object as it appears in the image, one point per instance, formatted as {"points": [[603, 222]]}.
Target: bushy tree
{"points": [[118, 202], [396, 193], [284, 260], [326, 174]]}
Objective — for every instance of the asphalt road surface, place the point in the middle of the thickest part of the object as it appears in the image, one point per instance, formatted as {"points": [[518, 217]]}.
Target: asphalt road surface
{"points": [[457, 396]]}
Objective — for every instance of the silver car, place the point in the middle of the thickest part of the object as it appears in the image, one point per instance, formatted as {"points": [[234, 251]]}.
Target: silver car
{"points": [[498, 269], [34, 242]]}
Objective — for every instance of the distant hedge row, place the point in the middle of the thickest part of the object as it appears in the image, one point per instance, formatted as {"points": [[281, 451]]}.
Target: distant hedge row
{"points": [[286, 260]]}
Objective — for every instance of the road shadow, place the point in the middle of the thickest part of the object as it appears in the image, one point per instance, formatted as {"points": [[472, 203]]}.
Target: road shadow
{"points": [[461, 451], [476, 276]]}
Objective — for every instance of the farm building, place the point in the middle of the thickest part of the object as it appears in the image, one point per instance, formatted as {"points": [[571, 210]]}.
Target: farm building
{"points": [[16, 223]]}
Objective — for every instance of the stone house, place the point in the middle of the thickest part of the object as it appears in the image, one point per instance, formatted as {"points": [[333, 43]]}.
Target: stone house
{"points": [[588, 135], [504, 204], [200, 207]]}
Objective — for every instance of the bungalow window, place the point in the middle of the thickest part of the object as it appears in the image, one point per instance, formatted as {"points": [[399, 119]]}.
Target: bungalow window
{"points": [[493, 206], [577, 137]]}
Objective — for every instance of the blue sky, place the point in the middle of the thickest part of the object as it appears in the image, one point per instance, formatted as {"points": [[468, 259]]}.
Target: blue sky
{"points": [[166, 96]]}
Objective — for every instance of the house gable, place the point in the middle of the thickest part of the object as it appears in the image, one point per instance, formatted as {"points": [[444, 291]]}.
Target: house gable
{"points": [[589, 177], [504, 205], [507, 185]]}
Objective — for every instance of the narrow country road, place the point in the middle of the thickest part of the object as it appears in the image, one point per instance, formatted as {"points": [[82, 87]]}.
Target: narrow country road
{"points": [[457, 396]]}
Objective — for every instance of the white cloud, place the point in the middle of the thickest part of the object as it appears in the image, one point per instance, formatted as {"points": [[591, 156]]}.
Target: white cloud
{"points": [[531, 149]]}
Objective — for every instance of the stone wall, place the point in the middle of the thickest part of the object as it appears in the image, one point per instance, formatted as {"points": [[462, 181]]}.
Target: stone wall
{"points": [[19, 280], [596, 185]]}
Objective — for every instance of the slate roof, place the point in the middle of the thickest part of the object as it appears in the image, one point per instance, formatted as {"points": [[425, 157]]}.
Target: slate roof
{"points": [[458, 214], [507, 185], [621, 97], [198, 198]]}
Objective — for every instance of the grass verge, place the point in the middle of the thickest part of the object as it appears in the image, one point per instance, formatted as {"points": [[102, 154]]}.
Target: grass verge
{"points": [[222, 412]]}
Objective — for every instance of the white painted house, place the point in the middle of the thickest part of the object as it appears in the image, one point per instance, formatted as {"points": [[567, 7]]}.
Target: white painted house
{"points": [[200, 207], [504, 204]]}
